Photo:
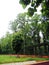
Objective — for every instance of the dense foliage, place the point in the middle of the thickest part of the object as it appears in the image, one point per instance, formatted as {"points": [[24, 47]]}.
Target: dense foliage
{"points": [[6, 44], [26, 37], [34, 4]]}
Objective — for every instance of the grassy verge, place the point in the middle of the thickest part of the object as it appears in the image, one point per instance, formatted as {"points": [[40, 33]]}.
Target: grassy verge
{"points": [[9, 59]]}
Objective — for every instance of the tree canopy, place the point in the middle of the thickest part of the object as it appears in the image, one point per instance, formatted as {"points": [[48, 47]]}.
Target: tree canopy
{"points": [[34, 4]]}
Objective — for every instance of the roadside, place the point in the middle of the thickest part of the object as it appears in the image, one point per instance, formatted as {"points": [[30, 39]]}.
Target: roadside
{"points": [[21, 63], [28, 63]]}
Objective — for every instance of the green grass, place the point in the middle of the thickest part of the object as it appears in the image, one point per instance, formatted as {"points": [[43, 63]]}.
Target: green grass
{"points": [[10, 59]]}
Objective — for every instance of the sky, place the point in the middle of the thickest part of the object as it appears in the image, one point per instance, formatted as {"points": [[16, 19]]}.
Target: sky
{"points": [[9, 9], [8, 12]]}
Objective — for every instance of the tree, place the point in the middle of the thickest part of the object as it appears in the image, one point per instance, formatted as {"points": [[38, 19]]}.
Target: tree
{"points": [[23, 26], [13, 25], [30, 29], [34, 4], [0, 49], [35, 28], [17, 42], [45, 31], [6, 44]]}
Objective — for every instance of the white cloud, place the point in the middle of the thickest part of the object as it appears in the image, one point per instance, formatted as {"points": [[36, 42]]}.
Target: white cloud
{"points": [[8, 11]]}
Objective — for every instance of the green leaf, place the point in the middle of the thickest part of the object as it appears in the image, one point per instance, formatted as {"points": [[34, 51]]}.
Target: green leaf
{"points": [[30, 11]]}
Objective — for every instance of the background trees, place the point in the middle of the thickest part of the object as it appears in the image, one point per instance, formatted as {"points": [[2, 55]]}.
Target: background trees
{"points": [[26, 30], [26, 35], [6, 44]]}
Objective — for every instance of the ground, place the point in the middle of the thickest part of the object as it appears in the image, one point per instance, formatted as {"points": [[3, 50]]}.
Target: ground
{"points": [[29, 63], [21, 63]]}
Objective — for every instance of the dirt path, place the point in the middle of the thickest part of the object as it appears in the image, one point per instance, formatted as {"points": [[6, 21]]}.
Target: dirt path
{"points": [[21, 63], [29, 63]]}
